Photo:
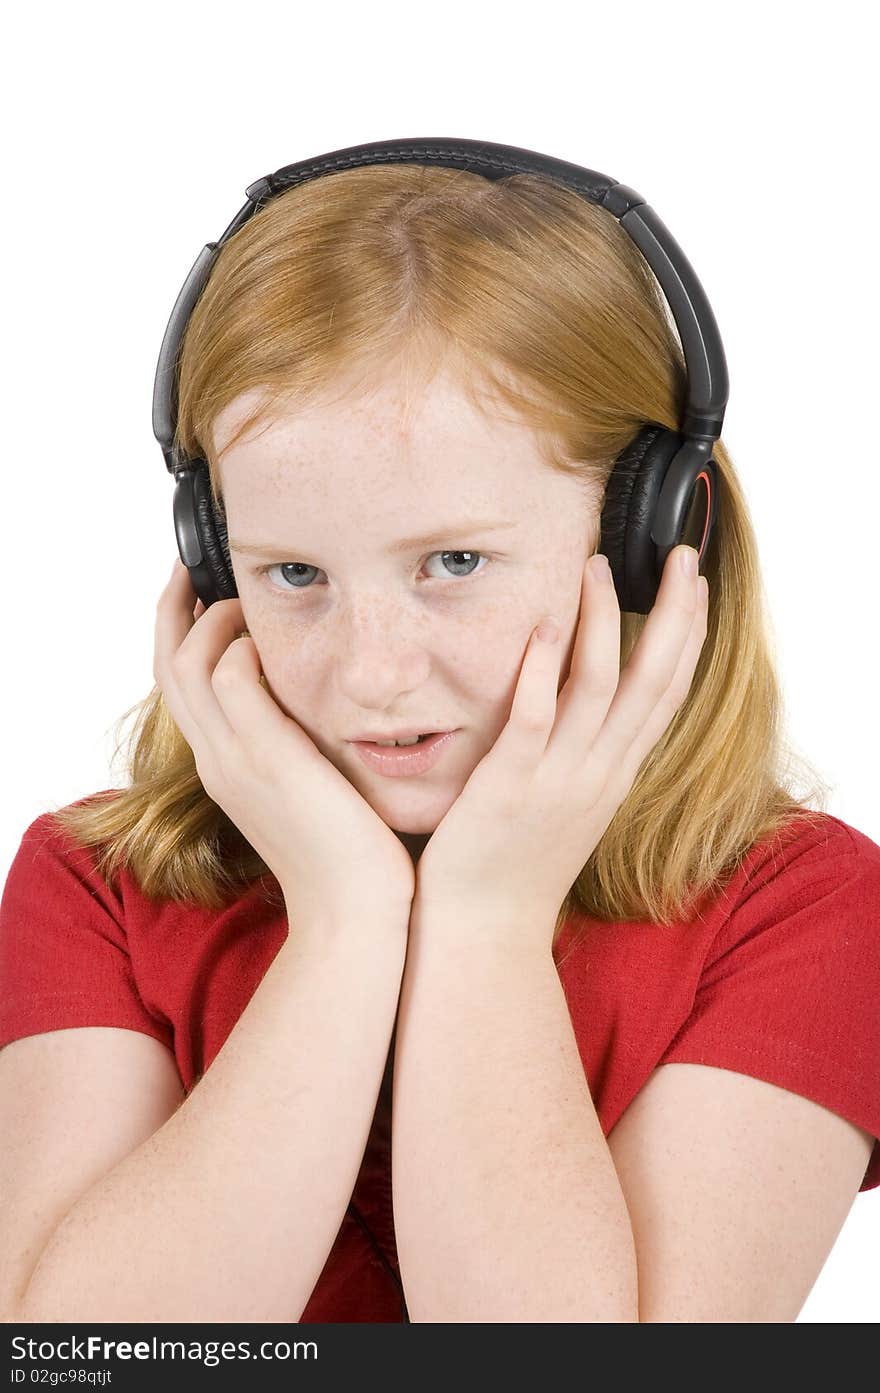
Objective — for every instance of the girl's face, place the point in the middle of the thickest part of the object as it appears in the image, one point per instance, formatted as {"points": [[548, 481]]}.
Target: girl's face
{"points": [[359, 630]]}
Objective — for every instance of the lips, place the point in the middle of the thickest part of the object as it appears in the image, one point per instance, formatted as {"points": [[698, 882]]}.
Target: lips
{"points": [[404, 761]]}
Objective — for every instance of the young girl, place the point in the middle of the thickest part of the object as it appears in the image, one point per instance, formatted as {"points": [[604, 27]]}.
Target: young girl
{"points": [[568, 1015]]}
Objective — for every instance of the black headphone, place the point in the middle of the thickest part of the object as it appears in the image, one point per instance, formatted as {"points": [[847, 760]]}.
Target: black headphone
{"points": [[652, 500]]}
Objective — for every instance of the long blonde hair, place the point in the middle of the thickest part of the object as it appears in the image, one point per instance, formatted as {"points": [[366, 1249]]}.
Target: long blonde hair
{"points": [[541, 303]]}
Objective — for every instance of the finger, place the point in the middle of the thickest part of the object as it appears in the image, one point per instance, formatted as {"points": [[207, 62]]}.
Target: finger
{"points": [[187, 651], [595, 664], [668, 707], [254, 716], [659, 671], [177, 592], [533, 710]]}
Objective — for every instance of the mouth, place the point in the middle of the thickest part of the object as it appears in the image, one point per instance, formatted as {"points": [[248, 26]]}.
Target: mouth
{"points": [[408, 737], [401, 743], [402, 760]]}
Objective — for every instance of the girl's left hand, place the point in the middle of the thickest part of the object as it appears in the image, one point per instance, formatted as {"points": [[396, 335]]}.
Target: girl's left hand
{"points": [[506, 854]]}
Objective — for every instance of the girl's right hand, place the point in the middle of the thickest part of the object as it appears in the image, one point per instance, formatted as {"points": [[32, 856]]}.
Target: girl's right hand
{"points": [[328, 849]]}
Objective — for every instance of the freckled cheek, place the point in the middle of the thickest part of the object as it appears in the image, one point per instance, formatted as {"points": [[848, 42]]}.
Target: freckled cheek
{"points": [[489, 663], [474, 669], [286, 661]]}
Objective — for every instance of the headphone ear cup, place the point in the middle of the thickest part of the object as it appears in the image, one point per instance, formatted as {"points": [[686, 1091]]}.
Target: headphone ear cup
{"points": [[628, 514], [211, 527]]}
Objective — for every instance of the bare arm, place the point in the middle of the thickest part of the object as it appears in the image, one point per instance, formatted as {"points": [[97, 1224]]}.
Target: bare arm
{"points": [[229, 1210]]}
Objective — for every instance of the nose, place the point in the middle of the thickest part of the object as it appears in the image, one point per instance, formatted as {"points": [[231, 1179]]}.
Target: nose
{"points": [[381, 653]]}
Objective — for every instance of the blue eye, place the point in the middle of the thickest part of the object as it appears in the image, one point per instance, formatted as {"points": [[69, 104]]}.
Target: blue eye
{"points": [[293, 570]]}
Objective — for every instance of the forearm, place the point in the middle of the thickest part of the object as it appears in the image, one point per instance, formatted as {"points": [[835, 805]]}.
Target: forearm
{"points": [[228, 1212], [507, 1205]]}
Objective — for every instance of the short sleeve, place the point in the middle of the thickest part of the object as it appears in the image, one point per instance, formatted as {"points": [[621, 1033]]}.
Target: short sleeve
{"points": [[64, 957], [790, 990]]}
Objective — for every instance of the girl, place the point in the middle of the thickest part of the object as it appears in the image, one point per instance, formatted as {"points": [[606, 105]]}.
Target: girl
{"points": [[610, 980]]}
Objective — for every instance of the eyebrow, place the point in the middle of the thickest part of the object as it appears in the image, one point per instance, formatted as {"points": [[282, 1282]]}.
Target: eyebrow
{"points": [[404, 544]]}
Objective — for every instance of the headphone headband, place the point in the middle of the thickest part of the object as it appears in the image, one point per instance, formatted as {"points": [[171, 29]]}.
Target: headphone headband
{"points": [[701, 342]]}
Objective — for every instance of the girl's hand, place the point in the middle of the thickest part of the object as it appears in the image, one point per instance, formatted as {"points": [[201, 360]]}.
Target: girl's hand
{"points": [[325, 845], [509, 849]]}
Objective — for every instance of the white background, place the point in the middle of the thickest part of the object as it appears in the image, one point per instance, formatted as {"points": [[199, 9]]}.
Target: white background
{"points": [[130, 139]]}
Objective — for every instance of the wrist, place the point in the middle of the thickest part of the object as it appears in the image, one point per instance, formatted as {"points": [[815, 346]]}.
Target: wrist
{"points": [[346, 924], [475, 928]]}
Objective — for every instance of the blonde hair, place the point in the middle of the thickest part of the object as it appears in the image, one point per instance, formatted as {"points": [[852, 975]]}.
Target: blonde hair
{"points": [[537, 300]]}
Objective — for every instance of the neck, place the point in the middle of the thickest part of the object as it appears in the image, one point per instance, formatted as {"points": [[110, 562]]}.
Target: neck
{"points": [[415, 843]]}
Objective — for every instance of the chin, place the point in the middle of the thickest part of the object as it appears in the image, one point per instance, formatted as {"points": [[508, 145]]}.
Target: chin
{"points": [[424, 815]]}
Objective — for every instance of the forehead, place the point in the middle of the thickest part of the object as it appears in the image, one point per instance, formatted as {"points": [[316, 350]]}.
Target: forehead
{"points": [[393, 413], [423, 443]]}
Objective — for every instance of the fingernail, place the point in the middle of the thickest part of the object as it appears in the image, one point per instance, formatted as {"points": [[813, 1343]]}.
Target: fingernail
{"points": [[599, 566], [688, 561], [548, 630]]}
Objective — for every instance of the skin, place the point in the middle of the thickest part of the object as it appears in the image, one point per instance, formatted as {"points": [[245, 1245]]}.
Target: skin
{"points": [[357, 638]]}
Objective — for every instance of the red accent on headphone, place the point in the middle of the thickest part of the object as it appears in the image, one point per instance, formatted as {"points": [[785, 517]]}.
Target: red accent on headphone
{"points": [[707, 480]]}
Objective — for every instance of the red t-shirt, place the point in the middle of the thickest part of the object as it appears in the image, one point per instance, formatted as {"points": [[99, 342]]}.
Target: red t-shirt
{"points": [[777, 977]]}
